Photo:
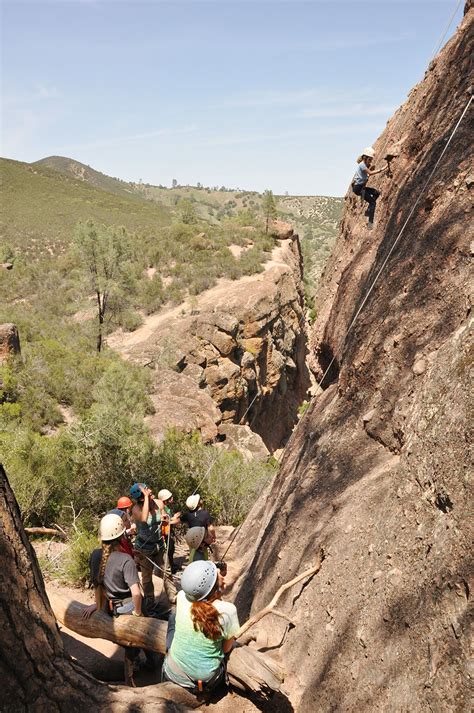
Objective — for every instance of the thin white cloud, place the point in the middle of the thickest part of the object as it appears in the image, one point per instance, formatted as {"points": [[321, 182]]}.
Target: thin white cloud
{"points": [[39, 93], [119, 140], [299, 97], [360, 128], [351, 111]]}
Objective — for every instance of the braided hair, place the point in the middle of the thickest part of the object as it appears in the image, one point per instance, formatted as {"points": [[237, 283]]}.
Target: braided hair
{"points": [[106, 552]]}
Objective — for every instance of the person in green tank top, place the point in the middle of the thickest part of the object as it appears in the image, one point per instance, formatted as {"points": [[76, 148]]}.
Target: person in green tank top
{"points": [[149, 549], [202, 631]]}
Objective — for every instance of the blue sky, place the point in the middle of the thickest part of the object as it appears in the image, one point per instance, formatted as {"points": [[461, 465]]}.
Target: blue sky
{"points": [[255, 94]]}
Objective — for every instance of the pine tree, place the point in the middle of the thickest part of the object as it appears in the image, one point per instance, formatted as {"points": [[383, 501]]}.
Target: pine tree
{"points": [[269, 208]]}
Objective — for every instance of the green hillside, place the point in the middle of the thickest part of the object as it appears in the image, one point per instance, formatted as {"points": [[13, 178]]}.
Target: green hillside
{"points": [[74, 169], [42, 206], [315, 218]]}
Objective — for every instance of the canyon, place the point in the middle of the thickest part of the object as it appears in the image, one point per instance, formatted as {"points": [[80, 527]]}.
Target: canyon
{"points": [[376, 475]]}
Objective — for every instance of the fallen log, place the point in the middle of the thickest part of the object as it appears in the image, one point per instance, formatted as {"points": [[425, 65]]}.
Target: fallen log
{"points": [[45, 531], [248, 670]]}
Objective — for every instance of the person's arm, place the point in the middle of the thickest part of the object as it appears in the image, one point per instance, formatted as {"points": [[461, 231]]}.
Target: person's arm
{"points": [[137, 599], [227, 645], [176, 519], [92, 607], [146, 504], [161, 506], [373, 173], [212, 531]]}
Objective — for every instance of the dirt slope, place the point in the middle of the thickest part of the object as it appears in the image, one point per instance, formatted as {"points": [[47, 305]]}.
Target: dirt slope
{"points": [[377, 472]]}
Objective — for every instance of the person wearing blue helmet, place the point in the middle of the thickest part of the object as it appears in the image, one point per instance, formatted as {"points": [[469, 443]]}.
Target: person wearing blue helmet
{"points": [[202, 631], [149, 547]]}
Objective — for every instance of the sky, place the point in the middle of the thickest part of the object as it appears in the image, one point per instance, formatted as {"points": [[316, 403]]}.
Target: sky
{"points": [[256, 94]]}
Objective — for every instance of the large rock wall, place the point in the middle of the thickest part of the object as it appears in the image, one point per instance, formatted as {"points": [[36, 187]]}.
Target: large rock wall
{"points": [[377, 472]]}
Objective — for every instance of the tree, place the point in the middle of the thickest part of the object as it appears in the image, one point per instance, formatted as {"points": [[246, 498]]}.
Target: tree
{"points": [[187, 211], [174, 183], [36, 673], [269, 208], [104, 252]]}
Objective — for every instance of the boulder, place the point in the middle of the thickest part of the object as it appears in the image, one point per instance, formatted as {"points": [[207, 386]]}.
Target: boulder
{"points": [[9, 342], [243, 439]]}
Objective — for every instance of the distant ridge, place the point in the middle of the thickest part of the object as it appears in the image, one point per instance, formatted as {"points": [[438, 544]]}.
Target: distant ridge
{"points": [[78, 170], [42, 203]]}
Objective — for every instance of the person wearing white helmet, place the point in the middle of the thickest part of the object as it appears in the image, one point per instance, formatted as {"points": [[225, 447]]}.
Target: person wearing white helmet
{"points": [[196, 540], [202, 632], [197, 516], [359, 182], [115, 578], [166, 497]]}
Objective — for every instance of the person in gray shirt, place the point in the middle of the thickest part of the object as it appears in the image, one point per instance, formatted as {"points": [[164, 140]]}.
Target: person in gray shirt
{"points": [[359, 183], [115, 578]]}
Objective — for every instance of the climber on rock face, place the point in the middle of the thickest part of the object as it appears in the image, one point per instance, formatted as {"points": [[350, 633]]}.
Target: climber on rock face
{"points": [[359, 182]]}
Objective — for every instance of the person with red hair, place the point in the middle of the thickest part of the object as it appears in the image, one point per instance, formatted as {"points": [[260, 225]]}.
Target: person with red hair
{"points": [[202, 631]]}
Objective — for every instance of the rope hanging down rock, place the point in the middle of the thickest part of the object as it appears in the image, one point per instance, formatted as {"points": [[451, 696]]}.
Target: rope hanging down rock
{"points": [[402, 230]]}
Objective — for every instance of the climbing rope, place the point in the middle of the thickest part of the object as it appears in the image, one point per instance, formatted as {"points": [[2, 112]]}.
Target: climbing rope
{"points": [[397, 240], [438, 46]]}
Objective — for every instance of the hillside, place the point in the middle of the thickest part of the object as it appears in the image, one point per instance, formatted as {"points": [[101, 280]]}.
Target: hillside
{"points": [[41, 207], [377, 471], [75, 169], [315, 218]]}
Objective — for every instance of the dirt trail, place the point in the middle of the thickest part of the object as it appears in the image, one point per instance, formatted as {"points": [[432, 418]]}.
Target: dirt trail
{"points": [[123, 341]]}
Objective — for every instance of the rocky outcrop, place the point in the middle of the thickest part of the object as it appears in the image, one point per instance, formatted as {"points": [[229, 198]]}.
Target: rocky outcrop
{"points": [[9, 342], [377, 471], [236, 355]]}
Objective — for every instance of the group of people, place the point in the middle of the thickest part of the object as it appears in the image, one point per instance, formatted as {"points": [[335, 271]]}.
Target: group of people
{"points": [[137, 535]]}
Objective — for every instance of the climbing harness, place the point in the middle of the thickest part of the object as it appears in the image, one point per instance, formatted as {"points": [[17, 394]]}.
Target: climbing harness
{"points": [[402, 230]]}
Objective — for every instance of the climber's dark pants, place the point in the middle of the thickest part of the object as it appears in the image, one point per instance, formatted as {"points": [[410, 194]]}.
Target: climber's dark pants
{"points": [[370, 195]]}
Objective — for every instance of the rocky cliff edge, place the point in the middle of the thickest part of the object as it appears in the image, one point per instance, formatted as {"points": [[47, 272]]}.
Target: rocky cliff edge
{"points": [[231, 362], [378, 471]]}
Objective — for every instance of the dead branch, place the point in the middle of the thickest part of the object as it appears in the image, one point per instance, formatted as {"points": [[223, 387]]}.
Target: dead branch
{"points": [[270, 608], [74, 516], [45, 531]]}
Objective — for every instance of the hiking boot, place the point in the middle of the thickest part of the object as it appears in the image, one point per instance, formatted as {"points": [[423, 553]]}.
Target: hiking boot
{"points": [[370, 226]]}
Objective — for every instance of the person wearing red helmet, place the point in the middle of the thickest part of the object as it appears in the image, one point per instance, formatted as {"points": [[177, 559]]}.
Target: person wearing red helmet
{"points": [[124, 503]]}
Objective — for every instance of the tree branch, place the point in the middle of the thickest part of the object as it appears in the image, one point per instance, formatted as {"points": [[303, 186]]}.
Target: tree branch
{"points": [[45, 531], [270, 608]]}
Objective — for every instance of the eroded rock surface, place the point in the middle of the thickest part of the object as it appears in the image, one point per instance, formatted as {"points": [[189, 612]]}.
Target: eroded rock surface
{"points": [[9, 342], [378, 470], [234, 355]]}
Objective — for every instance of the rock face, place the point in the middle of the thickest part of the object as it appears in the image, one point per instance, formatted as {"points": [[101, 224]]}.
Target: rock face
{"points": [[236, 355], [377, 471], [9, 342]]}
